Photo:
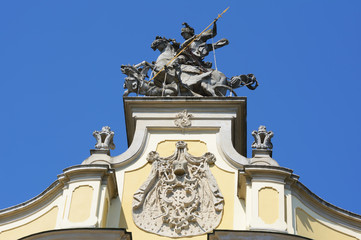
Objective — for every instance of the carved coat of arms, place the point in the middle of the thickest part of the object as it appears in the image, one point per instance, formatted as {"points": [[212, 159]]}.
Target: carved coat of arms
{"points": [[180, 196]]}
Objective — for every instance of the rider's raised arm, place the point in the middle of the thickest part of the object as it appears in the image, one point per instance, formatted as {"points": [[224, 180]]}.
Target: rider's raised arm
{"points": [[214, 33], [144, 63], [210, 33], [186, 42]]}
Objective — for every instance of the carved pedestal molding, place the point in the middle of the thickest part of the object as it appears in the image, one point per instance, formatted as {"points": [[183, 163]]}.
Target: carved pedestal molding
{"points": [[180, 197], [262, 186], [100, 182]]}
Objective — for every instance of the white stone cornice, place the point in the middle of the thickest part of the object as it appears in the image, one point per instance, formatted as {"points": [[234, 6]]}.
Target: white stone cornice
{"points": [[226, 116], [324, 208], [53, 195]]}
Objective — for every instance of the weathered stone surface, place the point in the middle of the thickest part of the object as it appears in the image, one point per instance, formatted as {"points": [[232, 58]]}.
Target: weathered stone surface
{"points": [[180, 197], [183, 120], [262, 138], [262, 147], [104, 139], [180, 70]]}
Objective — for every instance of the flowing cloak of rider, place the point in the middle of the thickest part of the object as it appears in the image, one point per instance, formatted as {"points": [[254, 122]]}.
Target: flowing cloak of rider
{"points": [[199, 48], [193, 55]]}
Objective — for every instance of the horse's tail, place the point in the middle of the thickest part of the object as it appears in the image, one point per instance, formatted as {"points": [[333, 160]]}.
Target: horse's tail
{"points": [[248, 80]]}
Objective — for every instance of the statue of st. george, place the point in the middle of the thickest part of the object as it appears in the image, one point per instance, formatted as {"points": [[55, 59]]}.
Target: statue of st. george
{"points": [[198, 47], [180, 69]]}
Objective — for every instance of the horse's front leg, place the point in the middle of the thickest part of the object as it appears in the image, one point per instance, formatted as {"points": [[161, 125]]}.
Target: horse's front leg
{"points": [[144, 63], [126, 93], [207, 88]]}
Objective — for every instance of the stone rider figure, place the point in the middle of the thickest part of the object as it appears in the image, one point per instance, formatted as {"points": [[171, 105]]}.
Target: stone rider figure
{"points": [[199, 48]]}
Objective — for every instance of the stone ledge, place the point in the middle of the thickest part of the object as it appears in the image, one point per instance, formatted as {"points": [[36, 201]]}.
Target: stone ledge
{"points": [[82, 233], [261, 235]]}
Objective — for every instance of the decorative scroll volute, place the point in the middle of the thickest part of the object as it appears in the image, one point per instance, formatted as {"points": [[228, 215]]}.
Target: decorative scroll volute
{"points": [[180, 197]]}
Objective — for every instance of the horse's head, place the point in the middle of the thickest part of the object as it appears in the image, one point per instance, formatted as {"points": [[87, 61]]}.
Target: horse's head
{"points": [[132, 79], [158, 43], [161, 42], [126, 69]]}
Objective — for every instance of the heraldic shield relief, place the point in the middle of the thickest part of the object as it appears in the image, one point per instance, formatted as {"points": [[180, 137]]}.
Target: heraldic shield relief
{"points": [[180, 197]]}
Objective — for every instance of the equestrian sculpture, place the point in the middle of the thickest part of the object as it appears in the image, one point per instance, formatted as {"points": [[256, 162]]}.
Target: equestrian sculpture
{"points": [[180, 69]]}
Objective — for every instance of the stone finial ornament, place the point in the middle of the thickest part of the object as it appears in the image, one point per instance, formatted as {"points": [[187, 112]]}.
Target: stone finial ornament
{"points": [[183, 120], [180, 197], [262, 138], [104, 139], [262, 148]]}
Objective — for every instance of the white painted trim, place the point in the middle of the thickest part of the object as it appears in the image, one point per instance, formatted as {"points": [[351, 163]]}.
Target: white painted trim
{"points": [[291, 226], [239, 214], [331, 223], [157, 120], [31, 217]]}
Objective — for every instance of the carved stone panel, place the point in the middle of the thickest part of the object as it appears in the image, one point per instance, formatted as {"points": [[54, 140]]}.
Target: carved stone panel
{"points": [[183, 120], [180, 196]]}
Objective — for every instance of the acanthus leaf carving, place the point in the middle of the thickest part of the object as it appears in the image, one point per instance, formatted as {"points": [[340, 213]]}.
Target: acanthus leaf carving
{"points": [[262, 138], [104, 139], [183, 120]]}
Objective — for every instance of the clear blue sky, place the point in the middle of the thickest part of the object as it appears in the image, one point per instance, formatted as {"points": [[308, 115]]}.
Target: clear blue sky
{"points": [[60, 81]]}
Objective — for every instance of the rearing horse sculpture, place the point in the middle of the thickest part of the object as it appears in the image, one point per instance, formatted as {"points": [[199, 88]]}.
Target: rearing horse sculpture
{"points": [[135, 82], [180, 78]]}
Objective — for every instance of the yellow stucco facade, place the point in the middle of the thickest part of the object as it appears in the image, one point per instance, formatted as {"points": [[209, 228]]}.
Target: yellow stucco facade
{"points": [[256, 195], [45, 222], [80, 205], [268, 205], [309, 227]]}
